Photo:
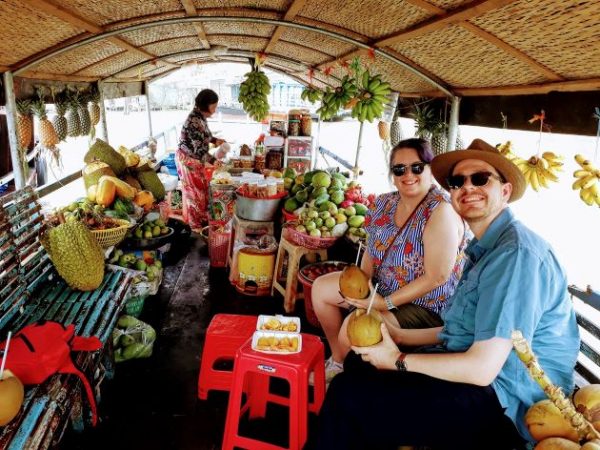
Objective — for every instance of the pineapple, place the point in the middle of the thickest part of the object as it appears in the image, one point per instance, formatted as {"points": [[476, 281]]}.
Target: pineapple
{"points": [[48, 137], [395, 132], [73, 119], [24, 123], [84, 119], [384, 130], [60, 121], [94, 107]]}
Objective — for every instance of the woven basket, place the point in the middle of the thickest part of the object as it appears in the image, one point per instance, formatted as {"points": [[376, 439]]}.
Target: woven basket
{"points": [[112, 236], [305, 240]]}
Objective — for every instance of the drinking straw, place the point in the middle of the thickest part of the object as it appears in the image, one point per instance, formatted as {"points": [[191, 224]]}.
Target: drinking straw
{"points": [[372, 298], [358, 253], [5, 354]]}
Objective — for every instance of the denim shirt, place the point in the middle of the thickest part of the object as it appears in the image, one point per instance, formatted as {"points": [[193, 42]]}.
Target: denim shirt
{"points": [[512, 281]]}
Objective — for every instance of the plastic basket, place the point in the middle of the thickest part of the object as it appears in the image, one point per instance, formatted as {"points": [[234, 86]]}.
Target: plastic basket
{"points": [[218, 243], [135, 305], [305, 240], [112, 236]]}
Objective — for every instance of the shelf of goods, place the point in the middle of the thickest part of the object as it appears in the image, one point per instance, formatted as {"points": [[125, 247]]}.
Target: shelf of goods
{"points": [[298, 153]]}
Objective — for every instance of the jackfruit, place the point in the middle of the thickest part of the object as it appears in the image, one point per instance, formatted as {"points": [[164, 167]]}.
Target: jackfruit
{"points": [[93, 171], [150, 182], [76, 255], [132, 159], [131, 181], [101, 151]]}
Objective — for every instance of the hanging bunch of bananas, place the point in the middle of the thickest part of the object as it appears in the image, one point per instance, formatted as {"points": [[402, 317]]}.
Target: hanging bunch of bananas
{"points": [[538, 171], [253, 94], [372, 98], [507, 151], [588, 181], [335, 99], [311, 94]]}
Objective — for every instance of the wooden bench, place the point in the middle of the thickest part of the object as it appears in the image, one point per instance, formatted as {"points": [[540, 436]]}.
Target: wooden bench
{"points": [[30, 290], [587, 308]]}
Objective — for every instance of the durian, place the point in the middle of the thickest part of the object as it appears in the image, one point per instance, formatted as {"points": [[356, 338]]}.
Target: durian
{"points": [[150, 181]]}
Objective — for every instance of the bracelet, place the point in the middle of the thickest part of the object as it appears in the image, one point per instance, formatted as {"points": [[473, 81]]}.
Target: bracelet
{"points": [[388, 303]]}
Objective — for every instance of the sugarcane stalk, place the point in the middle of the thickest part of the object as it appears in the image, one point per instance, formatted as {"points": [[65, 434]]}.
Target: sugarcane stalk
{"points": [[584, 428]]}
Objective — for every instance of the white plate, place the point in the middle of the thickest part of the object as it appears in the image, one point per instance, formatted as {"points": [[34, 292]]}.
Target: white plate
{"points": [[276, 342], [278, 323]]}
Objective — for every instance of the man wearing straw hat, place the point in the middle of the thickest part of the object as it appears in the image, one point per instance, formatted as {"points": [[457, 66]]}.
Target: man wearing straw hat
{"points": [[469, 390]]}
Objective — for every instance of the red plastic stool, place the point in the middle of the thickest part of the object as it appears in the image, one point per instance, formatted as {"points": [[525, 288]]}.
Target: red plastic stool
{"points": [[294, 368], [224, 336]]}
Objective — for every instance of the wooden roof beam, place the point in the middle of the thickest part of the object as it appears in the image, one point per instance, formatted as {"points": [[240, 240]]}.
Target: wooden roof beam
{"points": [[69, 17], [191, 11], [591, 84], [56, 77], [290, 14]]}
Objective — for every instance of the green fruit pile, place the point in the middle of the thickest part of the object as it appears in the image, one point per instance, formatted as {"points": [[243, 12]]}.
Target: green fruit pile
{"points": [[311, 94], [372, 98], [253, 94], [336, 99], [131, 261], [151, 229], [132, 339], [316, 186]]}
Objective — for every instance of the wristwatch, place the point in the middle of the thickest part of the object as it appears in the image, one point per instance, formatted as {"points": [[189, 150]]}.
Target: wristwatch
{"points": [[400, 364], [388, 303]]}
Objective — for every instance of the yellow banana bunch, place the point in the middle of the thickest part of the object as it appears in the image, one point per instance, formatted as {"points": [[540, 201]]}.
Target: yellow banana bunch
{"points": [[538, 171], [587, 181], [253, 94], [311, 94], [372, 98]]}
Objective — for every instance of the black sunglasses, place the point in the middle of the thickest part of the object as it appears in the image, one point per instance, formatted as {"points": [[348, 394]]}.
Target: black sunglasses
{"points": [[477, 179], [416, 168]]}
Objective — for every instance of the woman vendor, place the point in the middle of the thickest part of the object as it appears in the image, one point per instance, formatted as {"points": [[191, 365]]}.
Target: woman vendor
{"points": [[193, 157]]}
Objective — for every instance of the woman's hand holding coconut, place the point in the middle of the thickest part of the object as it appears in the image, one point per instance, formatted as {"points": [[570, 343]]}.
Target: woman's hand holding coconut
{"points": [[382, 355]]}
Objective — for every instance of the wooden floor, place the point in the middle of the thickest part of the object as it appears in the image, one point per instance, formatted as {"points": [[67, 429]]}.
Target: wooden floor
{"points": [[152, 404]]}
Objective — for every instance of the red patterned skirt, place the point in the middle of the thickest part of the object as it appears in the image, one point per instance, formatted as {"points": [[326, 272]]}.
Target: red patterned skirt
{"points": [[194, 190]]}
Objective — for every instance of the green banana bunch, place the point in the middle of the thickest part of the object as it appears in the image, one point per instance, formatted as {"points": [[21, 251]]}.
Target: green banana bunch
{"points": [[372, 98], [311, 94], [335, 99], [253, 94]]}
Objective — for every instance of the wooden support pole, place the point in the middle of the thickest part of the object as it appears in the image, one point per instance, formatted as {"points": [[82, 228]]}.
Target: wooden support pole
{"points": [[355, 169], [16, 155], [453, 126], [103, 124], [147, 95]]}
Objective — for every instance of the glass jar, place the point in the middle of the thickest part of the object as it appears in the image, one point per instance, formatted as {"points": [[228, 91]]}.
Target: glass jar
{"points": [[259, 162], [280, 185], [306, 125], [247, 162], [274, 160], [263, 190], [294, 127], [253, 188], [271, 188]]}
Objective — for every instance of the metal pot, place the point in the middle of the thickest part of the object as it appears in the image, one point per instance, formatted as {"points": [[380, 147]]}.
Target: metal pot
{"points": [[257, 209]]}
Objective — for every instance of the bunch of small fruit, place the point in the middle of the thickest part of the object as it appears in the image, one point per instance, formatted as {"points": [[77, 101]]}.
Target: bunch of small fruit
{"points": [[132, 261], [151, 229], [327, 220]]}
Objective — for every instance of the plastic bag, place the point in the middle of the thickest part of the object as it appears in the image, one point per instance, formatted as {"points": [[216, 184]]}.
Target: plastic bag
{"points": [[132, 339]]}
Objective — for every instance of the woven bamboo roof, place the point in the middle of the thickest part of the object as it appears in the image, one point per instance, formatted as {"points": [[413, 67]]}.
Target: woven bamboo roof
{"points": [[422, 47]]}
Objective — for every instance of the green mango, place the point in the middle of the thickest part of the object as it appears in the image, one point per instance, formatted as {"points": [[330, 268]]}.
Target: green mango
{"points": [[289, 172], [361, 209], [317, 192], [321, 199], [337, 197], [356, 221], [291, 204], [308, 176], [302, 196]]}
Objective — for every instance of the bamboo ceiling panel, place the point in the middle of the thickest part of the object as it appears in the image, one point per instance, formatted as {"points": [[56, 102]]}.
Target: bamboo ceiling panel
{"points": [[25, 31], [330, 27], [80, 58], [554, 34], [113, 65], [373, 18], [300, 53], [103, 12], [463, 60], [277, 5], [247, 12], [174, 45], [248, 29], [134, 72], [253, 44], [147, 36], [200, 54], [325, 44], [145, 19]]}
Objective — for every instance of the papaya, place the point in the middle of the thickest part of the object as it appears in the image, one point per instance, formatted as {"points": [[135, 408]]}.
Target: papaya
{"points": [[105, 193], [123, 189]]}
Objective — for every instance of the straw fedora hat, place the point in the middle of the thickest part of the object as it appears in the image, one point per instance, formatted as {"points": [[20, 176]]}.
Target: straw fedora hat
{"points": [[442, 166]]}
